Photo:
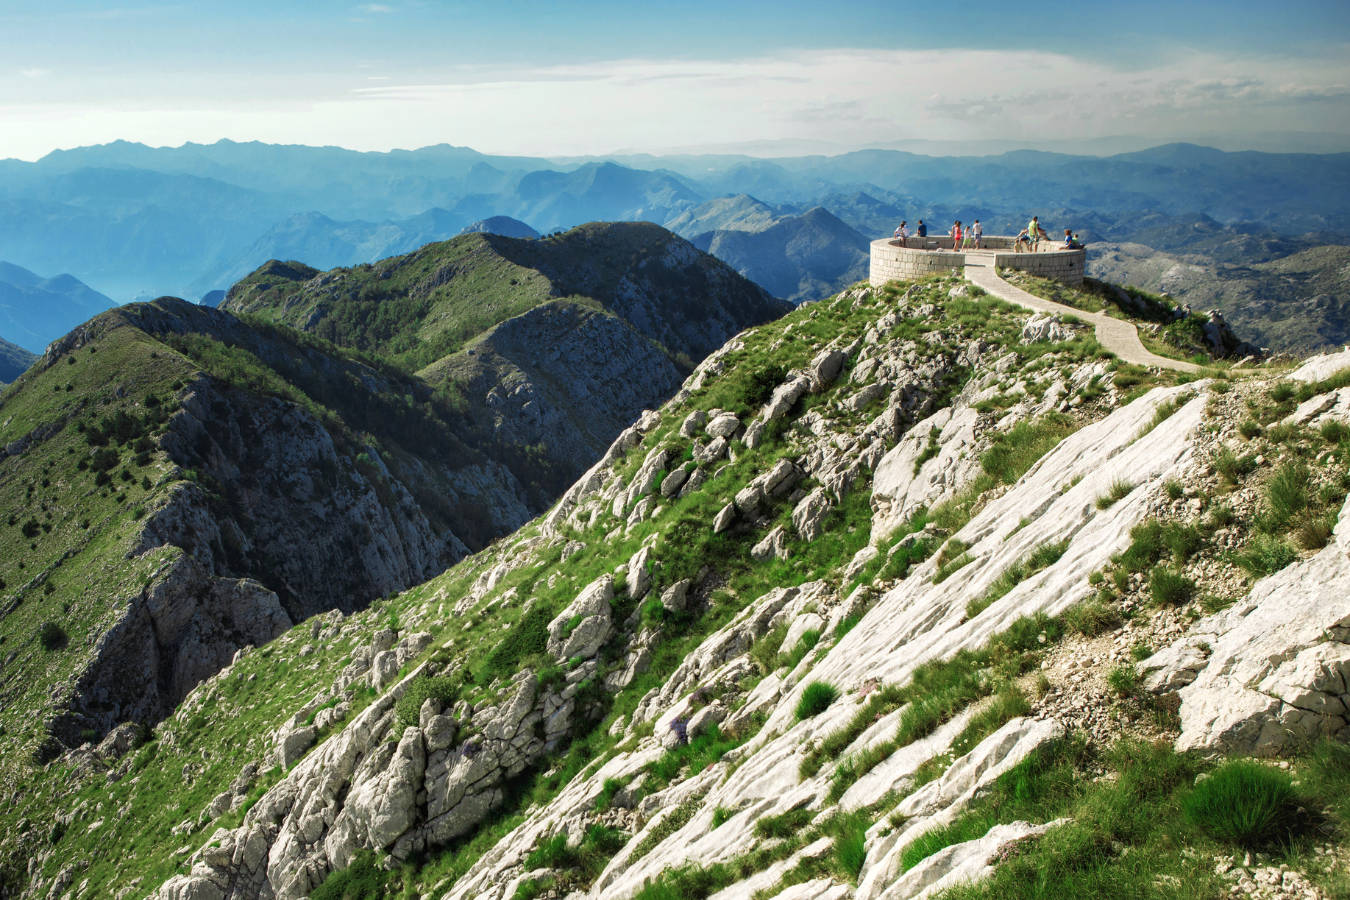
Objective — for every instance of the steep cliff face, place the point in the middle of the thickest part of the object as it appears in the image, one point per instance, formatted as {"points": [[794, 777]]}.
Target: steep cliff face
{"points": [[899, 592], [234, 477], [558, 382]]}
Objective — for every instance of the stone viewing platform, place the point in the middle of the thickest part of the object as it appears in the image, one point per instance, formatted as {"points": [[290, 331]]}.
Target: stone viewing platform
{"points": [[932, 255]]}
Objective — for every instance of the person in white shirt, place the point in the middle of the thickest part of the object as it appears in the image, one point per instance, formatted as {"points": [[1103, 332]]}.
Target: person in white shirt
{"points": [[902, 232], [977, 232]]}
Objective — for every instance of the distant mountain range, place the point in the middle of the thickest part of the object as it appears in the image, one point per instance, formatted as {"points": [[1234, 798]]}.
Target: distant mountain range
{"points": [[136, 220], [34, 311]]}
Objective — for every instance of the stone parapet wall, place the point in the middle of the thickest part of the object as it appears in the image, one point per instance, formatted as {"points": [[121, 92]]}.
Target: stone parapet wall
{"points": [[892, 262], [1061, 265]]}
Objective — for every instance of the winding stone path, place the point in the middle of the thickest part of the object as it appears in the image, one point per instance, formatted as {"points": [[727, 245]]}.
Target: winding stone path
{"points": [[1116, 335]]}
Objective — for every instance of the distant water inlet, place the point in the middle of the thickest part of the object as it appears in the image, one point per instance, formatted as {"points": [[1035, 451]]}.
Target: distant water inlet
{"points": [[919, 257]]}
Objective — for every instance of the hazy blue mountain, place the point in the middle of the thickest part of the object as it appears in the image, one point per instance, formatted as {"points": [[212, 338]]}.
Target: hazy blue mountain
{"points": [[134, 220], [740, 212], [598, 192], [326, 243], [503, 225], [34, 311], [14, 360], [129, 231], [805, 257]]}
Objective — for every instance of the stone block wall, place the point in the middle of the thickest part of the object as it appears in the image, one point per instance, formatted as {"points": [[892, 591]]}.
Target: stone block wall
{"points": [[891, 262], [1061, 265]]}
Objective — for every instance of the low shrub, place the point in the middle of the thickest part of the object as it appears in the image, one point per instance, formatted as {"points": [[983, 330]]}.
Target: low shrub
{"points": [[1335, 432], [1124, 680], [816, 698], [1119, 490], [550, 853], [850, 843], [703, 751], [52, 636], [1286, 496], [810, 637], [1314, 530], [441, 688], [364, 879], [1092, 617], [1265, 555], [1282, 391], [611, 787], [1244, 803], [1232, 467]]}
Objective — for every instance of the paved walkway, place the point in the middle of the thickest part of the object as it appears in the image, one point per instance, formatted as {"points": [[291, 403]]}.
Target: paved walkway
{"points": [[1116, 335]]}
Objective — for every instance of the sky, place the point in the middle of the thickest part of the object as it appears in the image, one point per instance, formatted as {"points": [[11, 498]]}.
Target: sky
{"points": [[593, 78]]}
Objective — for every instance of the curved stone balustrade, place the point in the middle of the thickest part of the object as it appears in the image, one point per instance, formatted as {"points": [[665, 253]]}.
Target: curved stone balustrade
{"points": [[932, 255]]}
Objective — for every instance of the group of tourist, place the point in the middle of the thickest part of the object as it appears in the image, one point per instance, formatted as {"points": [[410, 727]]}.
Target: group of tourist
{"points": [[972, 237]]}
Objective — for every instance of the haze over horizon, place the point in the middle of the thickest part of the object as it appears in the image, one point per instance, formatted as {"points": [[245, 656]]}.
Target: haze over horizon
{"points": [[600, 78]]}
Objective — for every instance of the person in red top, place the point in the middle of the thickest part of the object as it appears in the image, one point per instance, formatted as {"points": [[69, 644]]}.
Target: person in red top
{"points": [[956, 235]]}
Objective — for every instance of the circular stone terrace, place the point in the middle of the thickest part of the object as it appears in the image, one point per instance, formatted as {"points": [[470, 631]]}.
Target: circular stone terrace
{"points": [[920, 257]]}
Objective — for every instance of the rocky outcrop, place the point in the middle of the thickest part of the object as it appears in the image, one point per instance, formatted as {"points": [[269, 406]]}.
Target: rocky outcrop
{"points": [[1272, 673], [183, 627], [374, 786]]}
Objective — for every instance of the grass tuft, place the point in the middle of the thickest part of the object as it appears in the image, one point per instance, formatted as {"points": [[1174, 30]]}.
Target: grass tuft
{"points": [[816, 698], [1170, 587], [1244, 803], [1119, 490]]}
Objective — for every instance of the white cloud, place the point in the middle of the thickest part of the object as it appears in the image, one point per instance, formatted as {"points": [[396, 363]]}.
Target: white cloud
{"points": [[375, 8], [849, 98], [34, 73]]}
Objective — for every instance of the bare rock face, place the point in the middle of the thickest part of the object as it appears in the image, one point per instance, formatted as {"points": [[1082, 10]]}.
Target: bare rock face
{"points": [[965, 862], [1045, 328], [1273, 671], [362, 790], [581, 628], [185, 626]]}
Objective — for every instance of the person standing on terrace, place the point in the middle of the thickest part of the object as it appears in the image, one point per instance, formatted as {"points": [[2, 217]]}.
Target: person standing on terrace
{"points": [[1035, 232], [977, 233], [956, 235]]}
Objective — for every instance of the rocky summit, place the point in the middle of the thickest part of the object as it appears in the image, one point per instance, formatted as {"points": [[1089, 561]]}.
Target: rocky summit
{"points": [[907, 593]]}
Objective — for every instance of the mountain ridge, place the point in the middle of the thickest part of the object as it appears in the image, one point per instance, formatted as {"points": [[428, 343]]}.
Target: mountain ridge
{"points": [[817, 605], [230, 477]]}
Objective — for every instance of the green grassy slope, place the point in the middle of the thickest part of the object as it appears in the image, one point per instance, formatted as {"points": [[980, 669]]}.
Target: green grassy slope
{"points": [[97, 447], [420, 307], [227, 722]]}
